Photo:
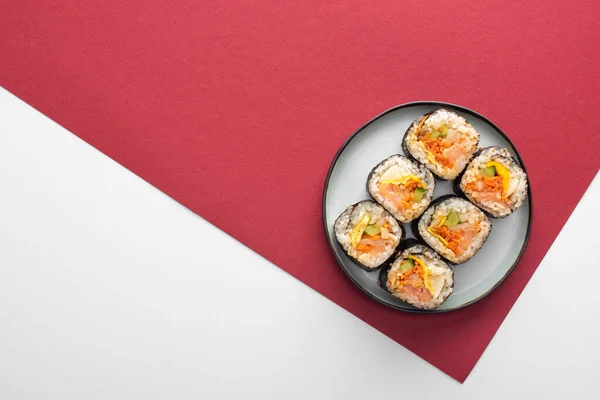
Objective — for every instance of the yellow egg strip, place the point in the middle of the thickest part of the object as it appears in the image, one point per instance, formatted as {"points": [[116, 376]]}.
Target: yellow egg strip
{"points": [[359, 229], [430, 157], [405, 179], [502, 171], [425, 272], [441, 239]]}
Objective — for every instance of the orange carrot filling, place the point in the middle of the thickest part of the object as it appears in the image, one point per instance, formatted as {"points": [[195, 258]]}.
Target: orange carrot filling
{"points": [[421, 123], [418, 283], [487, 184], [411, 283], [402, 195], [367, 247], [436, 147], [453, 237]]}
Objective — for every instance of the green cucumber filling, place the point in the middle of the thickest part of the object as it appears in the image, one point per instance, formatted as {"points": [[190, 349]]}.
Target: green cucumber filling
{"points": [[406, 265], [488, 172], [418, 195], [442, 131], [372, 230], [452, 219]]}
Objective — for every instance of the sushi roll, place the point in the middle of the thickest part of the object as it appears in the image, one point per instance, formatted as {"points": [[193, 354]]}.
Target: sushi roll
{"points": [[453, 227], [494, 182], [402, 187], [443, 141], [418, 276], [368, 234]]}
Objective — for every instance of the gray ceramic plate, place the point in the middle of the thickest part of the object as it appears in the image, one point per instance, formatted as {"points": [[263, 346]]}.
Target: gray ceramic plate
{"points": [[346, 184]]}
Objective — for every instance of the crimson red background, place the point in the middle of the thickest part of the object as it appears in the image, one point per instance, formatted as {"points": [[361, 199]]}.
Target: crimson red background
{"points": [[236, 108]]}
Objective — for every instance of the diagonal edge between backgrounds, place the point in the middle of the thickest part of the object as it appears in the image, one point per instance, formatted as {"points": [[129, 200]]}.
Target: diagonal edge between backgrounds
{"points": [[585, 193], [194, 214], [457, 377]]}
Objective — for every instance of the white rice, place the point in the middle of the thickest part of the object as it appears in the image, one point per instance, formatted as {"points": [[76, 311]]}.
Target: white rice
{"points": [[467, 213], [517, 187], [346, 222], [457, 125], [407, 167]]}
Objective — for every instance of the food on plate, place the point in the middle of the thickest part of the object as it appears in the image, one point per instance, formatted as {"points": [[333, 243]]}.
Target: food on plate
{"points": [[443, 141], [368, 234], [418, 276], [402, 187], [453, 227], [494, 182]]}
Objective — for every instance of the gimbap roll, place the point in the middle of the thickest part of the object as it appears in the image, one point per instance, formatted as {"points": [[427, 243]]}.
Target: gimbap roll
{"points": [[443, 141], [494, 182], [419, 277], [368, 234], [453, 227], [402, 187]]}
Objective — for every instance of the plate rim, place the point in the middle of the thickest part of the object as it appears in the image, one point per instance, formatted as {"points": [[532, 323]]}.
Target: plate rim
{"points": [[364, 126]]}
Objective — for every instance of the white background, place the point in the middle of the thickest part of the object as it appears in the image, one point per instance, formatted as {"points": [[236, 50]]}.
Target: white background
{"points": [[109, 289]]}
